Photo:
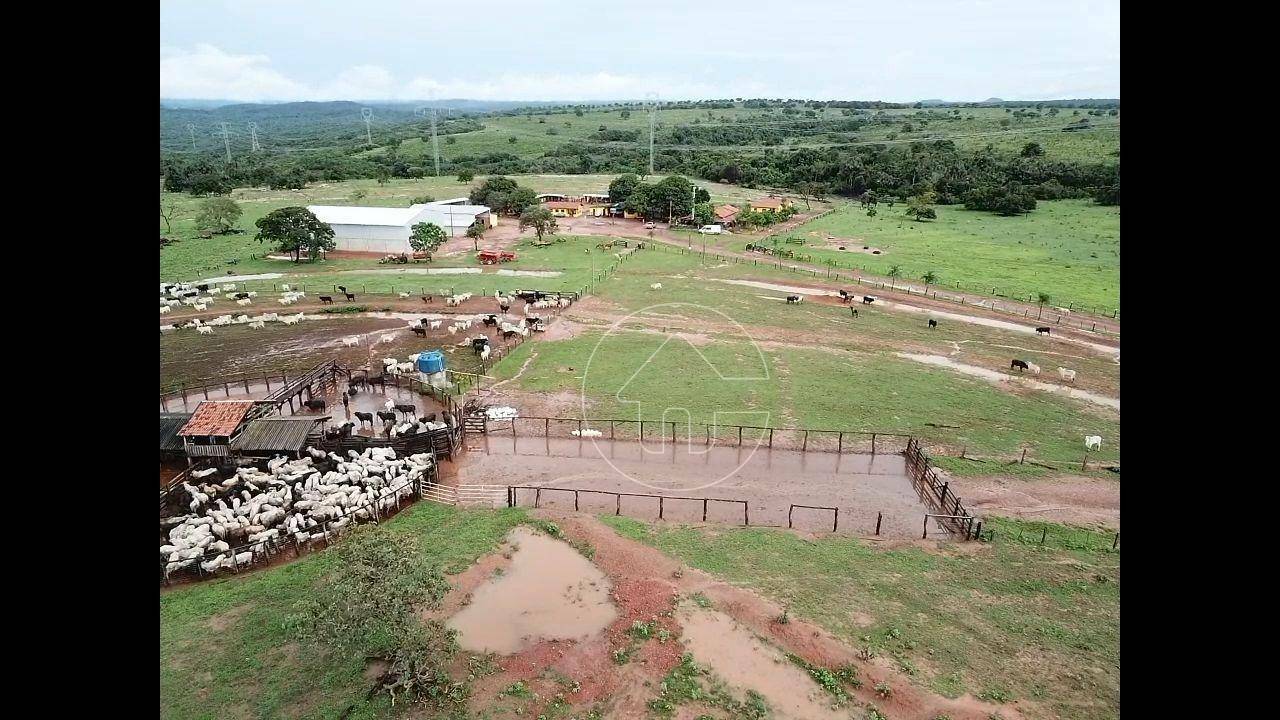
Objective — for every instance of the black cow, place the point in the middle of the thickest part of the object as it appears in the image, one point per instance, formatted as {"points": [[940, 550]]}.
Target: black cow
{"points": [[419, 330], [1020, 364], [326, 299], [504, 305], [315, 405], [845, 296], [377, 380], [854, 311], [387, 416], [430, 417], [364, 417], [426, 298], [491, 321], [202, 288], [508, 334], [1044, 330], [478, 344], [933, 323], [356, 381], [407, 409], [242, 296], [793, 299], [343, 288], [867, 299], [350, 297]]}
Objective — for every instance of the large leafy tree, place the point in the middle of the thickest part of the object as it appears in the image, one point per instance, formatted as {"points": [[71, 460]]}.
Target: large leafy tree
{"points": [[540, 219], [218, 214], [426, 237], [476, 233], [498, 184], [622, 186], [920, 207], [295, 230]]}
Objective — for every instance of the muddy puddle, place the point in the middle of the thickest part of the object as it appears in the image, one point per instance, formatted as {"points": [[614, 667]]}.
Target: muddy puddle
{"points": [[549, 592], [996, 376], [743, 661]]}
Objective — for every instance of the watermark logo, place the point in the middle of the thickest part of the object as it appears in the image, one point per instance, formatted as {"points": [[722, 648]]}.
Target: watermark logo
{"points": [[642, 363]]}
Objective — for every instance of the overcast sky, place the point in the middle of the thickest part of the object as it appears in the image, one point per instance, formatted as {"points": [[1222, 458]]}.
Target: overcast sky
{"points": [[254, 50]]}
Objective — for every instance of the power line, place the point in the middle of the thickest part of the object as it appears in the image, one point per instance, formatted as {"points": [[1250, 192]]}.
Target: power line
{"points": [[191, 128], [367, 114], [226, 139], [253, 135]]}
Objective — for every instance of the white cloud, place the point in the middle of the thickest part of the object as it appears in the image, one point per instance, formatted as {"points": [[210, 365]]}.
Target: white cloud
{"points": [[207, 72]]}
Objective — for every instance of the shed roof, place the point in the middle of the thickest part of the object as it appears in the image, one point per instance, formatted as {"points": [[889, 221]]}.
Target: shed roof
{"points": [[352, 215], [217, 418], [170, 424], [726, 211], [275, 434], [559, 205], [769, 202]]}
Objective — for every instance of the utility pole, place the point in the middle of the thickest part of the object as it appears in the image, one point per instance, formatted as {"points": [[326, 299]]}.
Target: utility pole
{"points": [[435, 142], [192, 130], [652, 100], [367, 114]]}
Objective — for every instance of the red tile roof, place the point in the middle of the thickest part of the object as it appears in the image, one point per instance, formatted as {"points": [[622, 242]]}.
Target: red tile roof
{"points": [[726, 211], [771, 203], [563, 205], [218, 418]]}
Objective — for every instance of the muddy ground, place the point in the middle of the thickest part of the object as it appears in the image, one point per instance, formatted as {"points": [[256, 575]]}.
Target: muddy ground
{"points": [[607, 666]]}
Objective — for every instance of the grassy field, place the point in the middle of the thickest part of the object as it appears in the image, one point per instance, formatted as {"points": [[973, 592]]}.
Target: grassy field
{"points": [[224, 652], [823, 368], [1069, 249], [1012, 620], [194, 257], [973, 128]]}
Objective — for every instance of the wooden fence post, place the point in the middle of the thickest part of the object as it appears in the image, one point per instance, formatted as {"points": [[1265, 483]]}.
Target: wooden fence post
{"points": [[1114, 544], [926, 528], [618, 509], [836, 524], [537, 497], [704, 514], [879, 517], [789, 511], [873, 444], [660, 499]]}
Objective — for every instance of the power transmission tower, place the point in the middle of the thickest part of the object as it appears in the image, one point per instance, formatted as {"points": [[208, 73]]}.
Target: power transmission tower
{"points": [[191, 128], [226, 140], [253, 136], [367, 114], [435, 142], [651, 99]]}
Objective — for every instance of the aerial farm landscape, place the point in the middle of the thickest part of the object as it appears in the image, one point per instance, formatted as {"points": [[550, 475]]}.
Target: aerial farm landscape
{"points": [[641, 405]]}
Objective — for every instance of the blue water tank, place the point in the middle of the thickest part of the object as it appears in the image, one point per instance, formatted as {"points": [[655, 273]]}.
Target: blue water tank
{"points": [[431, 361]]}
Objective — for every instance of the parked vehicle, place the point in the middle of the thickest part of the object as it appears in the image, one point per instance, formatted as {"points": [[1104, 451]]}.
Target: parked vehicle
{"points": [[650, 225], [711, 229]]}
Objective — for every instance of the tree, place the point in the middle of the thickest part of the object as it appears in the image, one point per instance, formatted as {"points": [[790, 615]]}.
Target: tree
{"points": [[422, 200], [625, 114], [919, 206], [540, 219], [1108, 195], [1032, 149], [895, 271], [465, 175], [701, 195], [426, 237], [1043, 298], [496, 184], [929, 278], [295, 230], [218, 215], [382, 175], [703, 213], [622, 187], [476, 233], [167, 208]]}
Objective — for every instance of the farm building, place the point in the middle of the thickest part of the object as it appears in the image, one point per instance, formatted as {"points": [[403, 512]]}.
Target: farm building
{"points": [[267, 437], [727, 214], [561, 208], [387, 230], [213, 427], [773, 202], [170, 443]]}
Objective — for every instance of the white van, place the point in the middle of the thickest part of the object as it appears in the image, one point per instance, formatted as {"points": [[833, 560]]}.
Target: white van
{"points": [[711, 230]]}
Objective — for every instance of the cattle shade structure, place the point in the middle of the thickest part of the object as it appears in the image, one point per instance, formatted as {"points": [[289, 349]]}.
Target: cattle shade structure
{"points": [[272, 436], [213, 426], [170, 424], [386, 230]]}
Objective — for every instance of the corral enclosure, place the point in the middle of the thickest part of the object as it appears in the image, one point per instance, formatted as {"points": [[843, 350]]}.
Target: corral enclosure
{"points": [[864, 487]]}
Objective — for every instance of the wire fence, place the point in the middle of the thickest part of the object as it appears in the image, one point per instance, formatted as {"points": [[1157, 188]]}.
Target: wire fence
{"points": [[1013, 306]]}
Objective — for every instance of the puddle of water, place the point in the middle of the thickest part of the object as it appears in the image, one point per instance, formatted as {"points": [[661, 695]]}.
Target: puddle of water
{"points": [[236, 278], [549, 592], [735, 654], [997, 376], [530, 273]]}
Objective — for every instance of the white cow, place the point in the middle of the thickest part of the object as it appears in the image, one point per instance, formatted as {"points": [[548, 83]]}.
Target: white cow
{"points": [[656, 286], [1069, 375], [351, 341], [1033, 368], [1092, 442]]}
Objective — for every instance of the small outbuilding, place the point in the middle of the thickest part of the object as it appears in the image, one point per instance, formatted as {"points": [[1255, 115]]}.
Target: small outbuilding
{"points": [[267, 437], [213, 427]]}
